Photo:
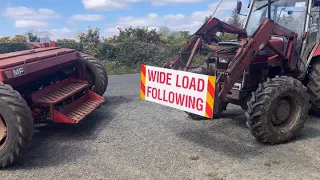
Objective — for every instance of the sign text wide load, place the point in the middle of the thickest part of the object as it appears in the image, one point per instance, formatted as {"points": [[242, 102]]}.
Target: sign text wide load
{"points": [[182, 90]]}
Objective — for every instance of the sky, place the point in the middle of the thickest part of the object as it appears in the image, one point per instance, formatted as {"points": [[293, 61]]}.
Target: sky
{"points": [[66, 18]]}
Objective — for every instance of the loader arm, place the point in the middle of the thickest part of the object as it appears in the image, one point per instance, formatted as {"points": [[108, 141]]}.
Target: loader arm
{"points": [[251, 47], [207, 33]]}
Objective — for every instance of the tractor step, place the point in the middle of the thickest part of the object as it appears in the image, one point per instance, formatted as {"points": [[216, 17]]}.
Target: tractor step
{"points": [[79, 109], [68, 89], [59, 91]]}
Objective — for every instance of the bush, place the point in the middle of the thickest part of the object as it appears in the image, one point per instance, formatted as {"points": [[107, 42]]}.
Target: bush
{"points": [[122, 57], [13, 47], [69, 43], [133, 54], [107, 51]]}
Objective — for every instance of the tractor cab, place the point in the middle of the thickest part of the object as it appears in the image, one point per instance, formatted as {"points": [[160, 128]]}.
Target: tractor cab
{"points": [[299, 16], [290, 14]]}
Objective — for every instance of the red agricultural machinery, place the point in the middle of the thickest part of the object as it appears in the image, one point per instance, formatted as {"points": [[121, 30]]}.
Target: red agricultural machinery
{"points": [[45, 84], [271, 69]]}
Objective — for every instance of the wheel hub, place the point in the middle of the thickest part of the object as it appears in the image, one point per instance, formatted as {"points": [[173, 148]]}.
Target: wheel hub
{"points": [[3, 132], [90, 79], [282, 112]]}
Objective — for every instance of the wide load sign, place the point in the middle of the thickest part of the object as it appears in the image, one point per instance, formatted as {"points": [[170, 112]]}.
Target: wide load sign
{"points": [[182, 90]]}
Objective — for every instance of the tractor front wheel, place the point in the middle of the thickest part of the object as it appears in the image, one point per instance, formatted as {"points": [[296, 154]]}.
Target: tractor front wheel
{"points": [[96, 74], [277, 110], [314, 87], [16, 125]]}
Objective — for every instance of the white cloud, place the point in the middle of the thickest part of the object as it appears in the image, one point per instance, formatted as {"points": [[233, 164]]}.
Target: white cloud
{"points": [[55, 34], [222, 12], [86, 17], [29, 23], [153, 21], [107, 5], [175, 22], [166, 2], [200, 15], [172, 17], [24, 13], [104, 5], [140, 22], [27, 17], [111, 31], [153, 16], [62, 33]]}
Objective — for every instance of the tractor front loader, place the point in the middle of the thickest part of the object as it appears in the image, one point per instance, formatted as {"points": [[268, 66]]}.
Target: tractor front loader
{"points": [[46, 84], [271, 69]]}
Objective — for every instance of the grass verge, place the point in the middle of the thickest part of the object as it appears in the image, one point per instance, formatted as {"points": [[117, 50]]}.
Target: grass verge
{"points": [[115, 68]]}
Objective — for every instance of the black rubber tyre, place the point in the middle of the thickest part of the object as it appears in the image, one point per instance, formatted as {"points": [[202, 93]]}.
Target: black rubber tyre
{"points": [[314, 87], [96, 74], [19, 123], [277, 110]]}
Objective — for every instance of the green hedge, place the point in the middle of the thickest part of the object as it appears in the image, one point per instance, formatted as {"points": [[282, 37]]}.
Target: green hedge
{"points": [[129, 54], [13, 47], [70, 44]]}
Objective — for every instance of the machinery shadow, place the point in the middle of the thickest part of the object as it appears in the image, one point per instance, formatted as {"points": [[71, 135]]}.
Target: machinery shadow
{"points": [[55, 144], [311, 129], [227, 135], [230, 136]]}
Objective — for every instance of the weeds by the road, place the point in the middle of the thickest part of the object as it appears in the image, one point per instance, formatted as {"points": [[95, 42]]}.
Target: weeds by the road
{"points": [[114, 68]]}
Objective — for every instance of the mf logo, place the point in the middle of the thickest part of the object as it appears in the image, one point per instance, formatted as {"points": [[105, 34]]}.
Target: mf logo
{"points": [[18, 72]]}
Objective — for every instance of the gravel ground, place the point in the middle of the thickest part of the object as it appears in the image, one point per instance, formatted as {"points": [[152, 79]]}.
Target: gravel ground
{"points": [[132, 139]]}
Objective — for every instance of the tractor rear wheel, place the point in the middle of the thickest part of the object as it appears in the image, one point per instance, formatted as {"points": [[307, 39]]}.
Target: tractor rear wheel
{"points": [[96, 74], [16, 125], [314, 87], [277, 110]]}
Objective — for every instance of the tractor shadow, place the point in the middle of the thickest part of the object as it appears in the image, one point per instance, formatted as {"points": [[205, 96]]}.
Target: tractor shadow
{"points": [[55, 144], [311, 129], [230, 136], [227, 135]]}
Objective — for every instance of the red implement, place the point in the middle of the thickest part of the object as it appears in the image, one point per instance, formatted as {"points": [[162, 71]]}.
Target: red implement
{"points": [[45, 84]]}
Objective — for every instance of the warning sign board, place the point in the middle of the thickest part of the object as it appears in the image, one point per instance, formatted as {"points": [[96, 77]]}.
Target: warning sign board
{"points": [[186, 91]]}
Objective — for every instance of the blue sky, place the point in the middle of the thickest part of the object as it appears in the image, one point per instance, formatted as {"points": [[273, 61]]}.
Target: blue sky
{"points": [[65, 18]]}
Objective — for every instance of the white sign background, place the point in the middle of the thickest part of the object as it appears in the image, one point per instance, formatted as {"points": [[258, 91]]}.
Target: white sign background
{"points": [[173, 88]]}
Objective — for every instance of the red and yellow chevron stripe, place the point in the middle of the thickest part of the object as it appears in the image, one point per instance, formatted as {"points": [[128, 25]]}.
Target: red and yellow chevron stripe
{"points": [[210, 96], [143, 82]]}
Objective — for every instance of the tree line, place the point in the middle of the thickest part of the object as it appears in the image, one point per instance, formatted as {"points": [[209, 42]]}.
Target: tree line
{"points": [[130, 48]]}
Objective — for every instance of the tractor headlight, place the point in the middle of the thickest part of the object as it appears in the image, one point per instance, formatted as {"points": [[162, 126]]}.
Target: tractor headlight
{"points": [[224, 60]]}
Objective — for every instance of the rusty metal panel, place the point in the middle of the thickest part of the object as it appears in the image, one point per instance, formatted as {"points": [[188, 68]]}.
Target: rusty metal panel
{"points": [[25, 52], [36, 66], [59, 91], [79, 109], [24, 57]]}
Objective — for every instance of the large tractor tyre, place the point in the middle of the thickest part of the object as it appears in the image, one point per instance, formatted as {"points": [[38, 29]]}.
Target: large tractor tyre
{"points": [[16, 125], [96, 74], [314, 87], [277, 110], [205, 71]]}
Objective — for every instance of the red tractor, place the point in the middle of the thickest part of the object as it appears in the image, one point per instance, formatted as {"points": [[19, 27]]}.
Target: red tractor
{"points": [[42, 85], [271, 69]]}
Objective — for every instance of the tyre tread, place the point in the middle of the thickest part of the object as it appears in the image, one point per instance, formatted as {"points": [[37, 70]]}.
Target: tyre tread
{"points": [[261, 100], [24, 123], [103, 75]]}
